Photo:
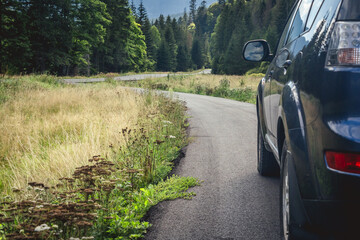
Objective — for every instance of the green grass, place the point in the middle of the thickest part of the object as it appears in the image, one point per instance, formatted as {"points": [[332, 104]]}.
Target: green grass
{"points": [[107, 196], [10, 86]]}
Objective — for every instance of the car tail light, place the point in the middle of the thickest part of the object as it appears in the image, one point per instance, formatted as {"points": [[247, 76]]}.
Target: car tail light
{"points": [[343, 162], [344, 46]]}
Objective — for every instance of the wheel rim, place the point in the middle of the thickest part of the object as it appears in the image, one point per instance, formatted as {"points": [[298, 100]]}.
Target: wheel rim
{"points": [[285, 201]]}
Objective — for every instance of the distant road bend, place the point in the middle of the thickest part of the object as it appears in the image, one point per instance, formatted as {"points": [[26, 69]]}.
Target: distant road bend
{"points": [[135, 77]]}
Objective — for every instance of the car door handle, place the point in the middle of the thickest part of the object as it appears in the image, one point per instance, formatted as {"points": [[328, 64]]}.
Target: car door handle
{"points": [[287, 64]]}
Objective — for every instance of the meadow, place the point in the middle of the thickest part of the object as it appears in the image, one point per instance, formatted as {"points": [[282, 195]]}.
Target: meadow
{"points": [[85, 161], [241, 88]]}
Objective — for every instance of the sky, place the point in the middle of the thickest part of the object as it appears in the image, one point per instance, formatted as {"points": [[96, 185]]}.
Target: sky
{"points": [[166, 7]]}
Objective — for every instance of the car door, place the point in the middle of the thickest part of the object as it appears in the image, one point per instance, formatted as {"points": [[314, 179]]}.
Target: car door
{"points": [[282, 68], [273, 70]]}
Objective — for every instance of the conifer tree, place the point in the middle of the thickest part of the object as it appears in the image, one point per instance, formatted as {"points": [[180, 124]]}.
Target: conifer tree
{"points": [[142, 14], [192, 11], [136, 48], [15, 48], [163, 57], [112, 56], [183, 61], [197, 54], [172, 47], [133, 8]]}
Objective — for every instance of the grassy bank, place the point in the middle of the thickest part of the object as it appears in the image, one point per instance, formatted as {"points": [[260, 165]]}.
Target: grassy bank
{"points": [[241, 88], [111, 149]]}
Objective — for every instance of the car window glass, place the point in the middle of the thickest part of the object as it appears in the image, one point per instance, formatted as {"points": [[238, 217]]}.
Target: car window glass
{"points": [[313, 12], [286, 30], [298, 25], [350, 10]]}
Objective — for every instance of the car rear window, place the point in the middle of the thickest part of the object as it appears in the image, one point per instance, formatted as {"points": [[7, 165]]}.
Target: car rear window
{"points": [[350, 10]]}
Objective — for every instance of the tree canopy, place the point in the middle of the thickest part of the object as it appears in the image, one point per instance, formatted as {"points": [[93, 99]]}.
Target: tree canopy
{"points": [[69, 37]]}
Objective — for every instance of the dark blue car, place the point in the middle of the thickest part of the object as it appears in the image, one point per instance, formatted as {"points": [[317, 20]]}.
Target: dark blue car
{"points": [[308, 108]]}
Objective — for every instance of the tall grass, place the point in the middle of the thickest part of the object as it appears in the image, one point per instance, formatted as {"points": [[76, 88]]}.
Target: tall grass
{"points": [[93, 158], [47, 132]]}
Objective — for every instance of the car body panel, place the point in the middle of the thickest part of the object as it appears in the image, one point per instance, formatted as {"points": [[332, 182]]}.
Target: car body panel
{"points": [[317, 107]]}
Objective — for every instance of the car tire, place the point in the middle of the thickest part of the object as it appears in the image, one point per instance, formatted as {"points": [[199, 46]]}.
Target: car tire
{"points": [[266, 162], [285, 196]]}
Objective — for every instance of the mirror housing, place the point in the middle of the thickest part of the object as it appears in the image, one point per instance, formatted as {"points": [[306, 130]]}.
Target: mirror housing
{"points": [[257, 51]]}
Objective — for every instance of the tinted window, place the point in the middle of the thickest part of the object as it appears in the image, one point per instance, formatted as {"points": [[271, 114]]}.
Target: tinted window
{"points": [[313, 12], [300, 20], [350, 10]]}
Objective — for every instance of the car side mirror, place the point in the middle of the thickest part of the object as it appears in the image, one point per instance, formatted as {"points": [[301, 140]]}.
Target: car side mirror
{"points": [[257, 51]]}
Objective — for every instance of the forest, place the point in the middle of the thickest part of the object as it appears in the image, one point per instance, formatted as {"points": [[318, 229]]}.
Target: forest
{"points": [[86, 37]]}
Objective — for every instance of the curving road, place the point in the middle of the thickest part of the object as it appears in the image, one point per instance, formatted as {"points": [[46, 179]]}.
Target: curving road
{"points": [[234, 202], [135, 77]]}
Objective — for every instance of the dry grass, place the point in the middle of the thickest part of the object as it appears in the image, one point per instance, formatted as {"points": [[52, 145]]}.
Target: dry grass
{"points": [[188, 83], [240, 88], [47, 133], [213, 81]]}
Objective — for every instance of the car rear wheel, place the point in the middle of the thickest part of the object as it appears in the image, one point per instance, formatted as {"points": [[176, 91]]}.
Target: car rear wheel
{"points": [[285, 198], [266, 162]]}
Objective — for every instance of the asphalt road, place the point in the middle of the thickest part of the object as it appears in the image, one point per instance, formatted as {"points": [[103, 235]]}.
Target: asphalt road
{"points": [[131, 77], [234, 201]]}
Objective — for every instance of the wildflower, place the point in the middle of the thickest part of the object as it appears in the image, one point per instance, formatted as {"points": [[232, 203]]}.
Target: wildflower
{"points": [[55, 226], [171, 136], [42, 227]]}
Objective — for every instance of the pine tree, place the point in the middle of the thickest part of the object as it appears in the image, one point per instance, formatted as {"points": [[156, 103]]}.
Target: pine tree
{"points": [[172, 47], [281, 12], [15, 47], [183, 61], [201, 19], [163, 57], [197, 54], [133, 9], [272, 37], [142, 14], [151, 48], [112, 56], [161, 24], [192, 11]]}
